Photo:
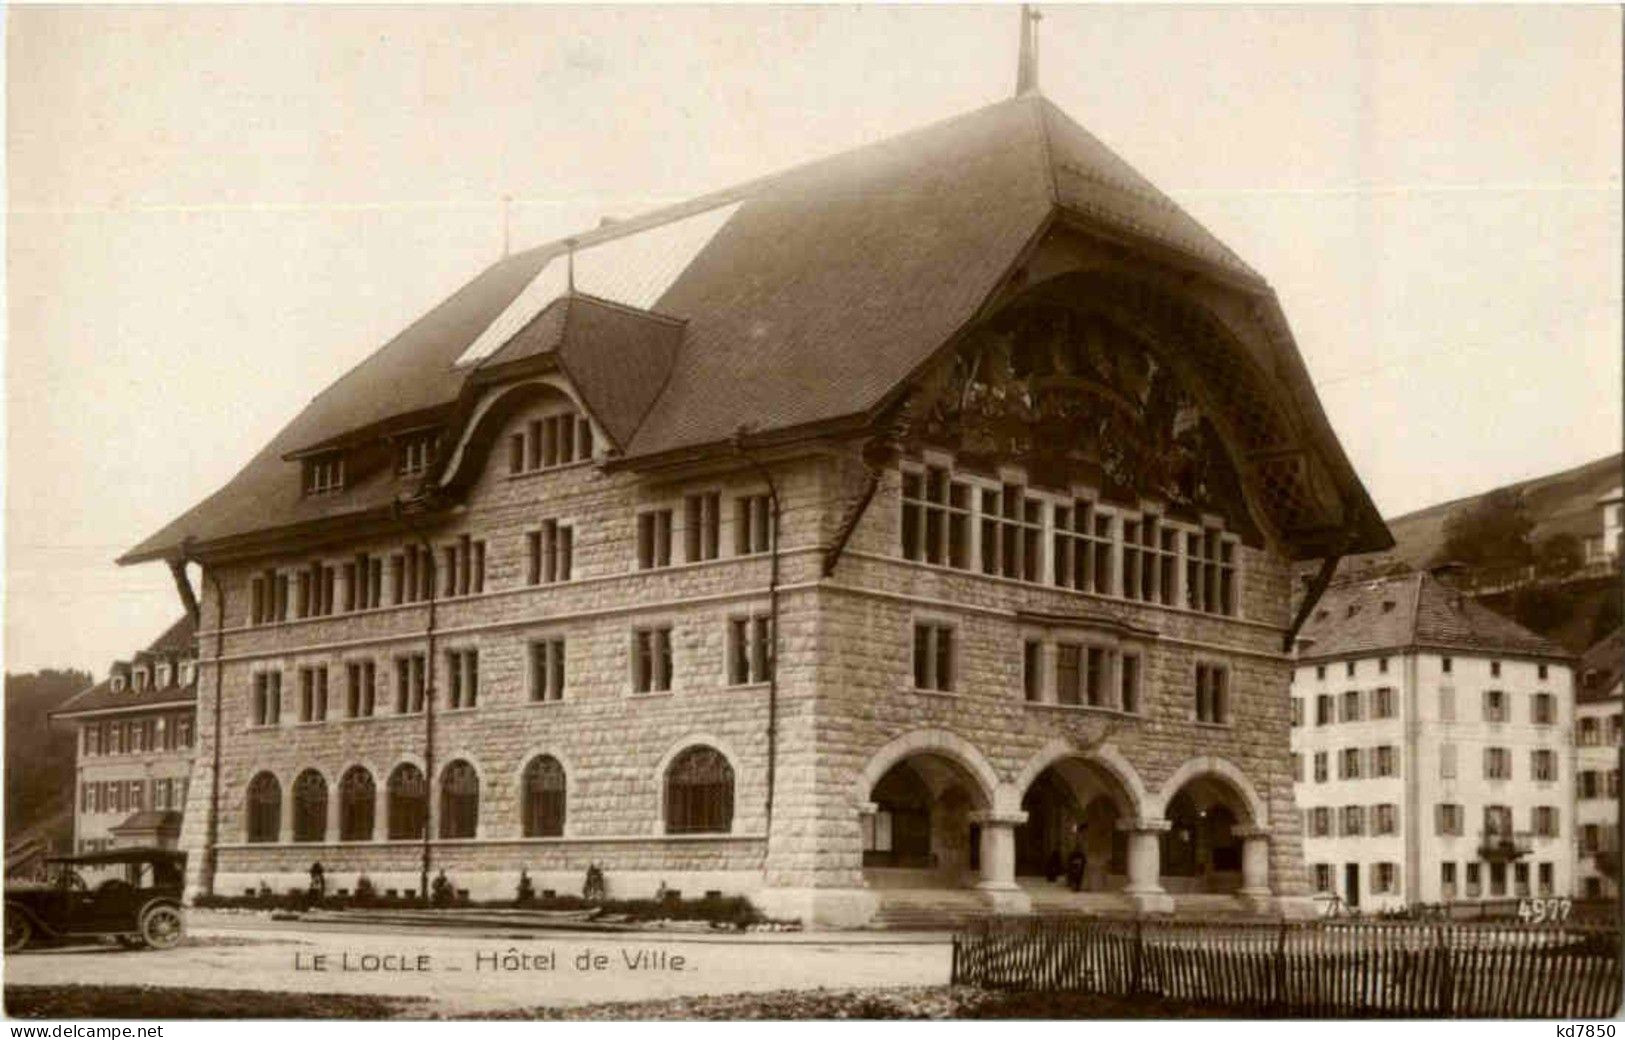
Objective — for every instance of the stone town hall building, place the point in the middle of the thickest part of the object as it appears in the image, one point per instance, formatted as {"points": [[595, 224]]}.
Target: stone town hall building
{"points": [[897, 521]]}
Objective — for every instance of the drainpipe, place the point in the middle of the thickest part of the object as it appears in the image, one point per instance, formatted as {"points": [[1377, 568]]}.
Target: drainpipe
{"points": [[773, 619], [399, 509]]}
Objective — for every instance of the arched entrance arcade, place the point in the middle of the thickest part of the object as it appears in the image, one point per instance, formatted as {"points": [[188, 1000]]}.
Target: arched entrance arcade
{"points": [[1216, 840], [921, 824], [1074, 808]]}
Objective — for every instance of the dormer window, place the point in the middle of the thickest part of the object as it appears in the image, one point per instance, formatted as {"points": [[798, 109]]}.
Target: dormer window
{"points": [[118, 684], [187, 671], [556, 440], [415, 453], [163, 676], [140, 679], [324, 474]]}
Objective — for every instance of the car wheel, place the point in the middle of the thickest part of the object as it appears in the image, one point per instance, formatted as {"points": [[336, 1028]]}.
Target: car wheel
{"points": [[18, 930], [161, 927]]}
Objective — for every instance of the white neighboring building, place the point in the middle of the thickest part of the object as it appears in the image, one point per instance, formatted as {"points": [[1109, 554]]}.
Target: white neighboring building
{"points": [[1607, 546], [1430, 749], [1599, 698]]}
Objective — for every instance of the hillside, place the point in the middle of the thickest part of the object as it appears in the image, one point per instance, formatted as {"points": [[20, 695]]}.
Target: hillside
{"points": [[39, 756], [1563, 502]]}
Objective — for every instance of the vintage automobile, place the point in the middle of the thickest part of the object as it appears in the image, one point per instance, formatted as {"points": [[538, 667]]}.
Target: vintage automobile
{"points": [[140, 906]]}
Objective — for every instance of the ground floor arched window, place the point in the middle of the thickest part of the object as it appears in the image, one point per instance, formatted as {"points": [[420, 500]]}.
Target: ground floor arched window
{"points": [[459, 801], [264, 809], [310, 806], [408, 802], [544, 788], [358, 801], [699, 793]]}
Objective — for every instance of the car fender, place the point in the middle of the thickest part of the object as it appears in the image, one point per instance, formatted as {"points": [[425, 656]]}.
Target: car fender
{"points": [[34, 919]]}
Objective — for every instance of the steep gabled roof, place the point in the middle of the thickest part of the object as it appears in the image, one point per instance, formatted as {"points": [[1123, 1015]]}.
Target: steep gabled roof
{"points": [[810, 296], [1361, 618], [179, 639]]}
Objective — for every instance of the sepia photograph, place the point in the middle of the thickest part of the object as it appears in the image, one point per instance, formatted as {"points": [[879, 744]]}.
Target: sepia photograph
{"points": [[728, 512]]}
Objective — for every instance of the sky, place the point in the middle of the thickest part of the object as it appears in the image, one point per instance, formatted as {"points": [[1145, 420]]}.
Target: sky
{"points": [[215, 211]]}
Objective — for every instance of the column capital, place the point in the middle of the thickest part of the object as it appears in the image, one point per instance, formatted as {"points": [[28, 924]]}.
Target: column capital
{"points": [[1144, 825], [868, 808], [1251, 831], [999, 819]]}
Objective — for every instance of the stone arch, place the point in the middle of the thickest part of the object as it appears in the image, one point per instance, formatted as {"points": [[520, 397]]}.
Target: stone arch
{"points": [[716, 817], [522, 793], [943, 743], [311, 787], [1105, 757], [1230, 776]]}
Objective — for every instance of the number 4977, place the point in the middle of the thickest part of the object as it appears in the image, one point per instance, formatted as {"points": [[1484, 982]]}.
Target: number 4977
{"points": [[1540, 911]]}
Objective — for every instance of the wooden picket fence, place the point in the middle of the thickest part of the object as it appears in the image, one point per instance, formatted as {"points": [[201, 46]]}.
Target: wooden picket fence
{"points": [[1307, 969]]}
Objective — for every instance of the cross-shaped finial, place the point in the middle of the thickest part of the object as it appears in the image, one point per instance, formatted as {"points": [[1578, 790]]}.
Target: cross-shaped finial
{"points": [[1027, 59]]}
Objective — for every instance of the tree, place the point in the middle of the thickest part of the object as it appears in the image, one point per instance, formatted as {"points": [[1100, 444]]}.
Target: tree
{"points": [[39, 756], [1559, 555], [1492, 531]]}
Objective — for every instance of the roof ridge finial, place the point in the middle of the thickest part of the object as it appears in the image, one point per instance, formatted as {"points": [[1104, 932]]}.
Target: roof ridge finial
{"points": [[1027, 58]]}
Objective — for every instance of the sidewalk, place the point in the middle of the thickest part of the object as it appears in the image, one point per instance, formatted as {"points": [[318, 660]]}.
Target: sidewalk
{"points": [[570, 922]]}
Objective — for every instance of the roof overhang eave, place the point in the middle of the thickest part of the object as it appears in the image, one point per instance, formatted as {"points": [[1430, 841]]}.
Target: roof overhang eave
{"points": [[255, 542]]}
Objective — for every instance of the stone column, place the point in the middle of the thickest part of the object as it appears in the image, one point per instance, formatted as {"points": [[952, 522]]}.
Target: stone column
{"points": [[999, 861], [1255, 868], [1145, 866]]}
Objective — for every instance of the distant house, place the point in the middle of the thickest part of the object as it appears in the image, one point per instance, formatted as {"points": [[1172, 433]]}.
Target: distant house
{"points": [[1606, 546], [1430, 748], [1599, 698], [136, 733]]}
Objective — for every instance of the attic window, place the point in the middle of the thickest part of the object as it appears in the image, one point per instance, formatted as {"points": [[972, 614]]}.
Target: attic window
{"points": [[1354, 608], [324, 474], [1321, 615], [186, 672], [140, 678], [549, 442], [1388, 606], [118, 684], [416, 452], [163, 676]]}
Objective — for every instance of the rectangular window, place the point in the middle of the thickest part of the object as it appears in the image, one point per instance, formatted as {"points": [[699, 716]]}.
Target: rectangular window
{"points": [[556, 440], [1542, 709], [1350, 665], [183, 730], [1475, 882], [1348, 764], [1382, 666], [414, 454], [324, 474], [1323, 877], [1323, 709], [1150, 560], [1497, 821], [1095, 676], [750, 650], [1543, 819], [550, 553], [1497, 763], [1495, 706], [1520, 880], [1351, 706], [1445, 665], [1322, 770], [547, 670], [753, 519], [1212, 693], [1012, 533], [1083, 548], [1495, 669], [410, 681], [1385, 819], [936, 518], [1543, 764], [654, 539], [1068, 673], [313, 694], [267, 699], [702, 526], [1545, 875], [1353, 821], [1320, 822], [1450, 819], [361, 691], [1129, 676], [651, 660], [1542, 671], [1384, 760], [1447, 881], [1384, 702], [1385, 878], [933, 657], [1032, 670], [462, 678], [1447, 704]]}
